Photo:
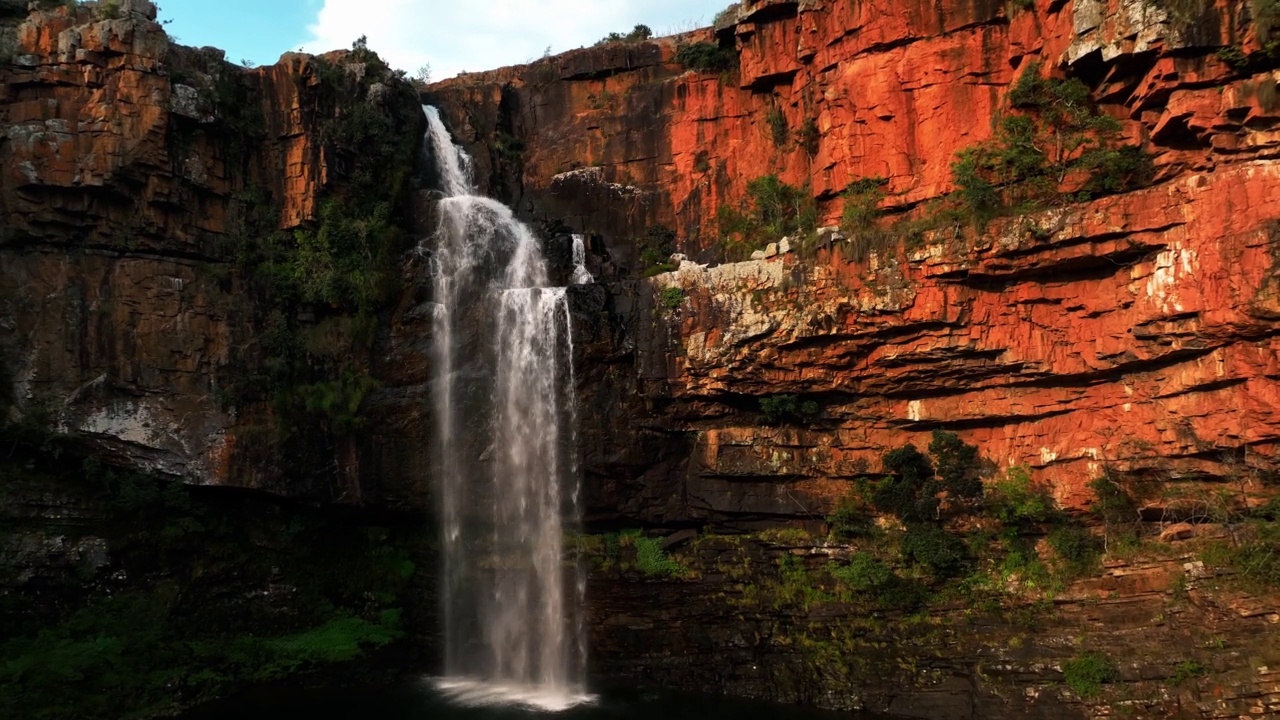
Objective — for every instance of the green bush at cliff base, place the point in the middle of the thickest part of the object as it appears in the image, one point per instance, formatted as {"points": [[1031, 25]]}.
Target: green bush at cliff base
{"points": [[796, 588], [864, 573], [1087, 673], [1017, 500], [1077, 548], [945, 554], [125, 657], [853, 515]]}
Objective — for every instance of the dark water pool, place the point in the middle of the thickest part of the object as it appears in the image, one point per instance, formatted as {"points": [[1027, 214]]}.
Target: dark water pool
{"points": [[424, 701]]}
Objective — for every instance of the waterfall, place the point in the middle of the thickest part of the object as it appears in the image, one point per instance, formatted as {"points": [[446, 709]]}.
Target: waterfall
{"points": [[580, 274], [507, 480]]}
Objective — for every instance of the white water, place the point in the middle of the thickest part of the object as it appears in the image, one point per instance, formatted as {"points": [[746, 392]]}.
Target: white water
{"points": [[504, 408], [580, 274]]}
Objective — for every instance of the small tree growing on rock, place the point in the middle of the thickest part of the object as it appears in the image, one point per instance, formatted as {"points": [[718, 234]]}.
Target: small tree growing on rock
{"points": [[957, 463]]}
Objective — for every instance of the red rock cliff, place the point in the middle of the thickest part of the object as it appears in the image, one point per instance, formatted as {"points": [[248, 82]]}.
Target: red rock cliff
{"points": [[1137, 330], [130, 165]]}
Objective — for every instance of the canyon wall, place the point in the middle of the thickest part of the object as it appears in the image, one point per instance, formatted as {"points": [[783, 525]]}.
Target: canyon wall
{"points": [[155, 336], [140, 180], [147, 192], [1134, 333]]}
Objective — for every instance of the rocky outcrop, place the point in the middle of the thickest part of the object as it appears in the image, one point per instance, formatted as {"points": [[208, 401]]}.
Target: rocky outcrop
{"points": [[1134, 332], [136, 172]]}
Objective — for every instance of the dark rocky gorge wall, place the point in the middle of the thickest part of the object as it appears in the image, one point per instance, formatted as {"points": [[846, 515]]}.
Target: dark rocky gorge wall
{"points": [[214, 359], [194, 257], [1085, 340]]}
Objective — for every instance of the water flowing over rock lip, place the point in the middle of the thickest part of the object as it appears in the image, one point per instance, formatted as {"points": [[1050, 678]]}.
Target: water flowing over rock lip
{"points": [[470, 692]]}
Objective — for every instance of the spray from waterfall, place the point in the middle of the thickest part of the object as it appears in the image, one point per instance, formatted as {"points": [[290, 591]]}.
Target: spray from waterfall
{"points": [[504, 408]]}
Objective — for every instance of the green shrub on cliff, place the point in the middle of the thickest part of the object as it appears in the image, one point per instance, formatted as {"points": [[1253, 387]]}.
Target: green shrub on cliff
{"points": [[1076, 548], [320, 287], [773, 210], [1254, 556], [655, 248], [778, 129], [672, 297], [864, 573], [853, 515], [957, 463], [1054, 134], [910, 492], [943, 553], [859, 220], [1017, 500], [651, 559], [1087, 673], [779, 409], [705, 57], [639, 33]]}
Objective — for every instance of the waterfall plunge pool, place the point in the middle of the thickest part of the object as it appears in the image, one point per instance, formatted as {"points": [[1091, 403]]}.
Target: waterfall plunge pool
{"points": [[426, 699]]}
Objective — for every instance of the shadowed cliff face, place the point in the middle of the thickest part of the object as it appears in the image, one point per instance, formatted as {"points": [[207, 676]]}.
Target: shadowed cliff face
{"points": [[1135, 331], [140, 182]]}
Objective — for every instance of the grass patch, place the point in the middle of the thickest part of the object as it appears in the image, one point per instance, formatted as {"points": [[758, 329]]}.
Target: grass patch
{"points": [[672, 297], [652, 560], [1087, 673]]}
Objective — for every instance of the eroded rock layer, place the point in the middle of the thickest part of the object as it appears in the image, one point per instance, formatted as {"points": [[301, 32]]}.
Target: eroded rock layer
{"points": [[1135, 331]]}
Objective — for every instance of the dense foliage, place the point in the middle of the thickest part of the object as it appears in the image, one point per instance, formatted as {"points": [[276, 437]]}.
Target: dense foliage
{"points": [[655, 248], [639, 33], [773, 210], [181, 608], [780, 409], [319, 289], [1054, 136], [705, 57]]}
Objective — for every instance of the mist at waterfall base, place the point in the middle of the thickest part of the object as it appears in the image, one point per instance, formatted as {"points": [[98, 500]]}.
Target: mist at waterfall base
{"points": [[421, 701]]}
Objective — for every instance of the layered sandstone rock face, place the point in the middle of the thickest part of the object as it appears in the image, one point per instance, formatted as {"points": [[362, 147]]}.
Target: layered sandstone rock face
{"points": [[130, 165], [1135, 332]]}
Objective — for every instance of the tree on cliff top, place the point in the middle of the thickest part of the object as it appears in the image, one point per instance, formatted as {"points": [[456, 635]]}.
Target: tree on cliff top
{"points": [[639, 33]]}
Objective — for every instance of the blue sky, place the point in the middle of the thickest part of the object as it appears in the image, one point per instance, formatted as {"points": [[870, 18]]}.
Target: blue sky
{"points": [[449, 35]]}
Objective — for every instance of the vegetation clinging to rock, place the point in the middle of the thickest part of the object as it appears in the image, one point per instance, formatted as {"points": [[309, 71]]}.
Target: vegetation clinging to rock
{"points": [[639, 33], [779, 409], [706, 57], [774, 210], [1054, 136]]}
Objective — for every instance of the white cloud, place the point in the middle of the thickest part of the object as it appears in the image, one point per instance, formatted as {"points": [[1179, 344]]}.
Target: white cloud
{"points": [[466, 35]]}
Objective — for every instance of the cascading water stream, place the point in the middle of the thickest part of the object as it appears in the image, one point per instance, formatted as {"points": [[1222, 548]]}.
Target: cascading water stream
{"points": [[504, 407]]}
